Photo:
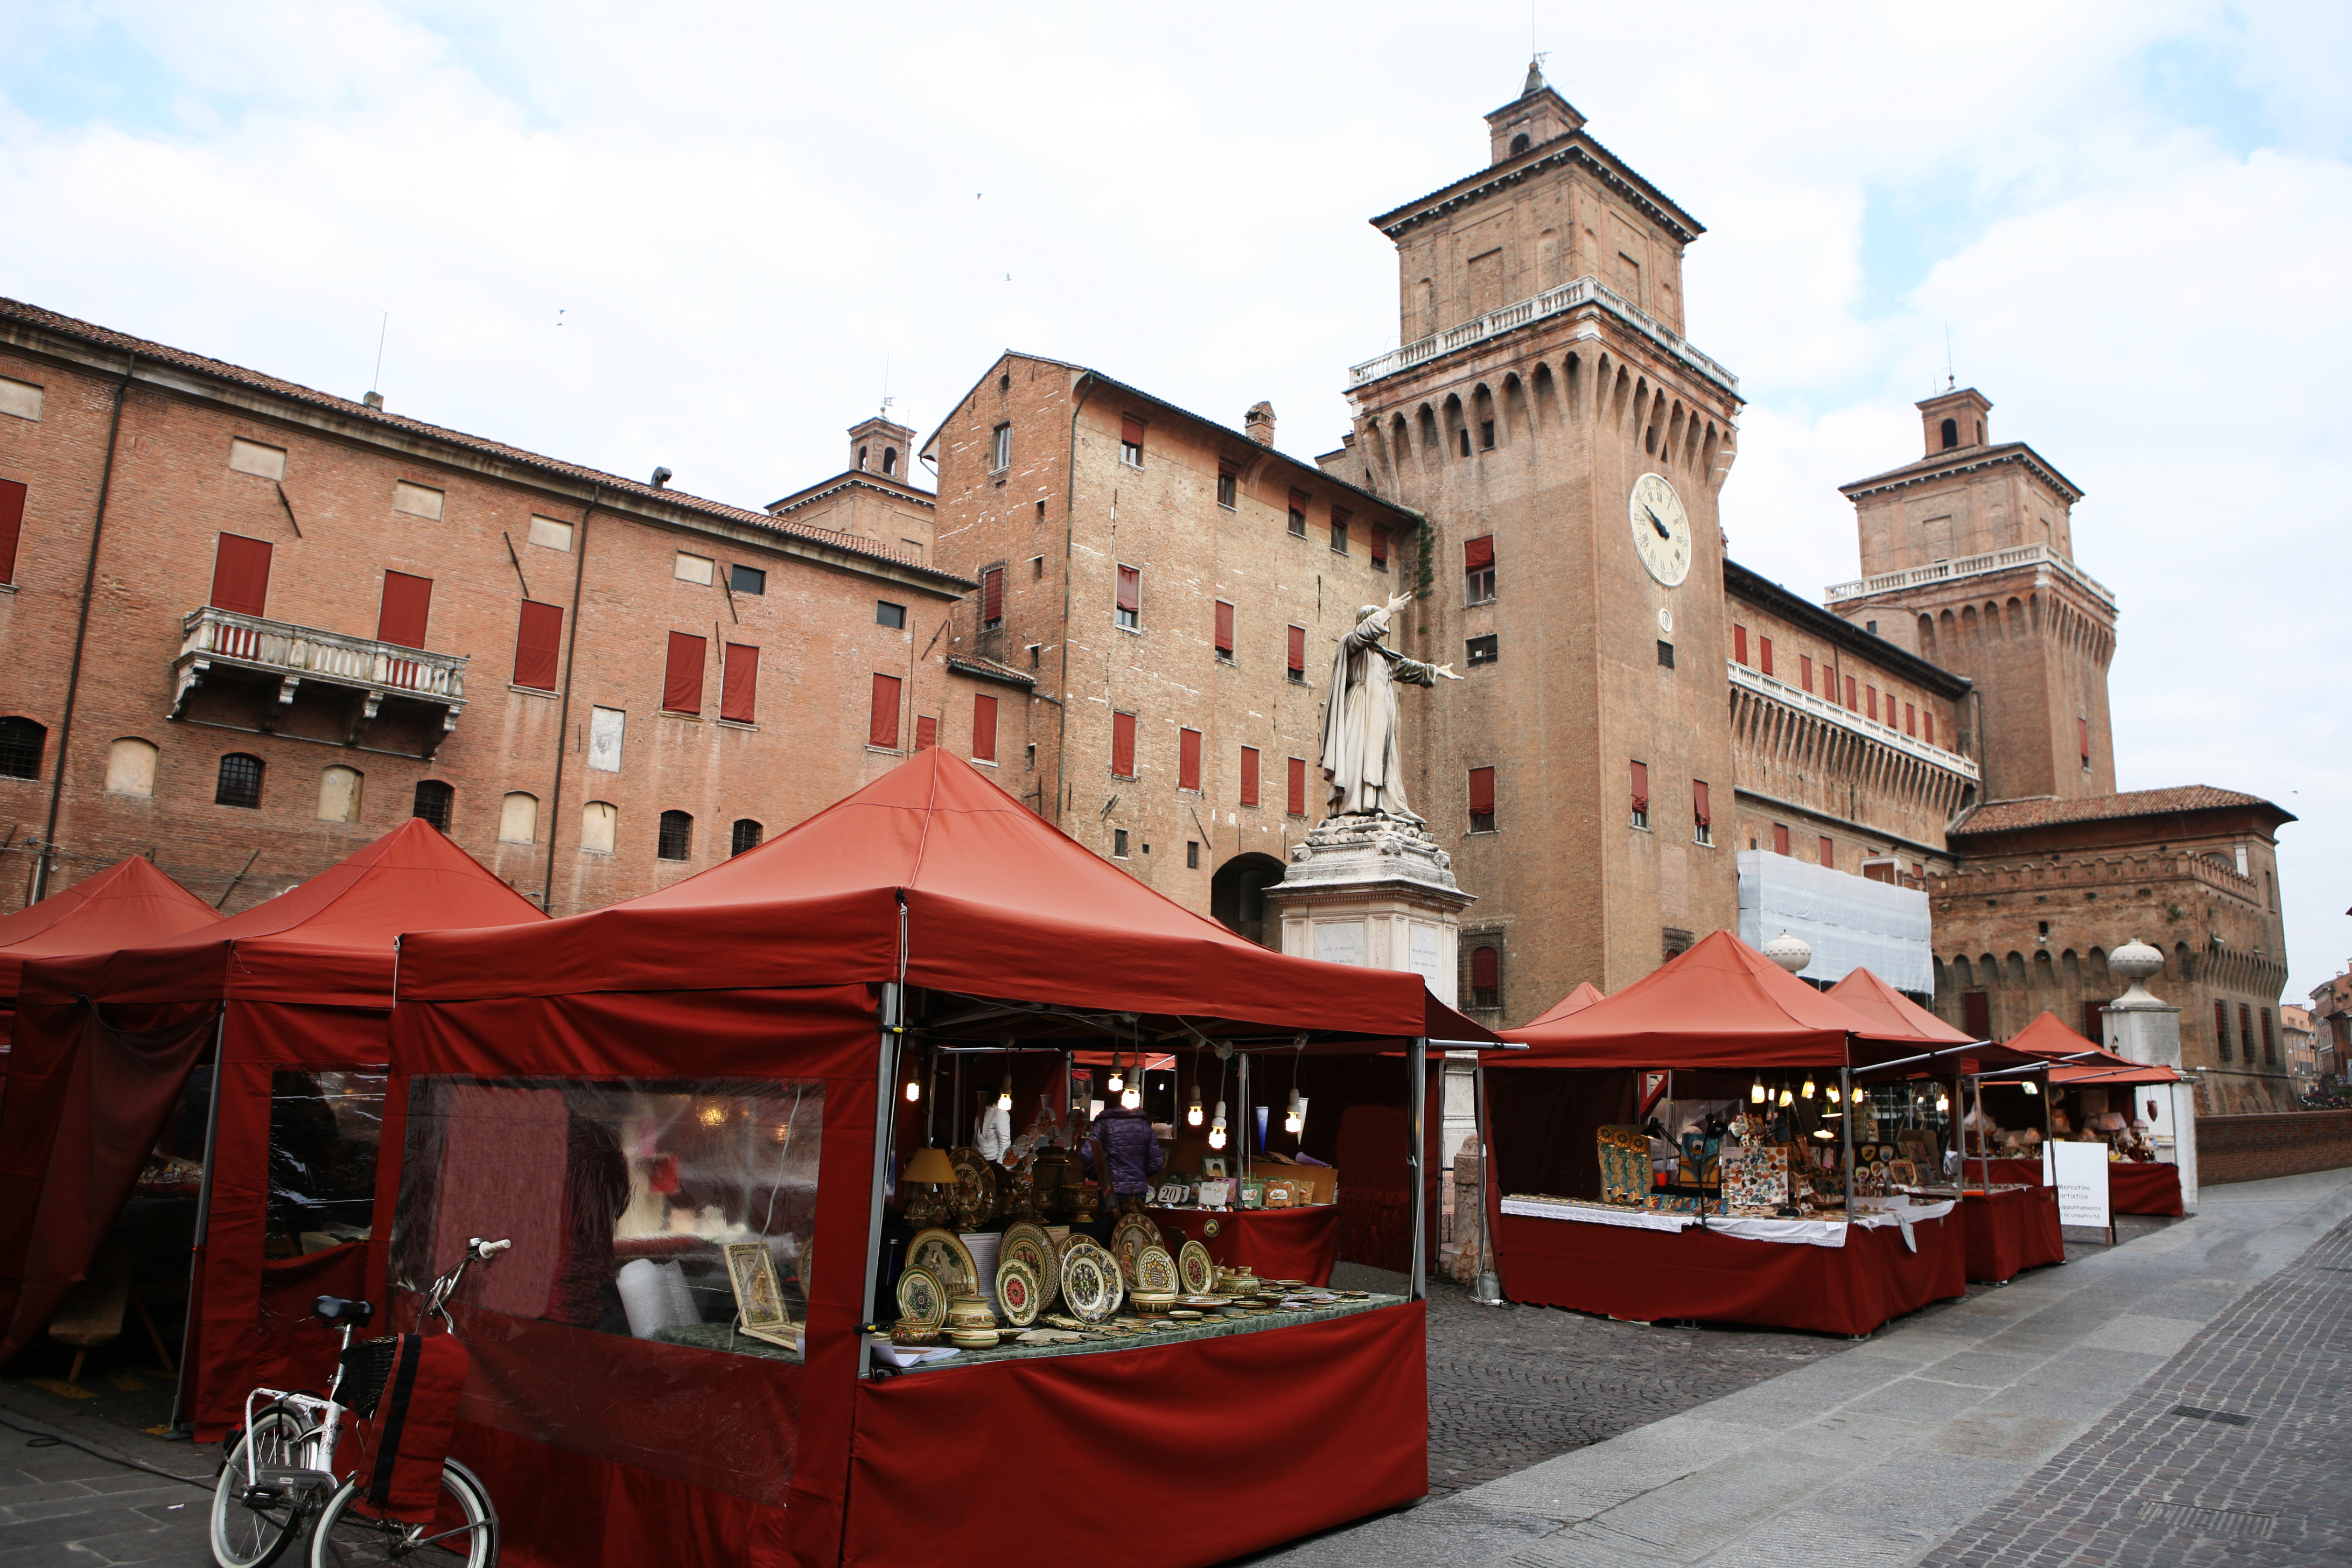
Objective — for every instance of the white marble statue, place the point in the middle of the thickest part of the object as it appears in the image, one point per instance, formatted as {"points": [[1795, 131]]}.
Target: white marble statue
{"points": [[1359, 720]]}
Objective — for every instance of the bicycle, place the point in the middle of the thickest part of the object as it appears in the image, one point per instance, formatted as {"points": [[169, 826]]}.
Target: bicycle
{"points": [[279, 1468]]}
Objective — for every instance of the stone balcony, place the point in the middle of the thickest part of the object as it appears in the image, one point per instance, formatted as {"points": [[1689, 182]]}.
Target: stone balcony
{"points": [[1568, 295], [2039, 556], [359, 674]]}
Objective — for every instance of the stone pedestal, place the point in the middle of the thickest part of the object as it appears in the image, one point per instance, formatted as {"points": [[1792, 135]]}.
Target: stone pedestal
{"points": [[1376, 892], [2142, 1028]]}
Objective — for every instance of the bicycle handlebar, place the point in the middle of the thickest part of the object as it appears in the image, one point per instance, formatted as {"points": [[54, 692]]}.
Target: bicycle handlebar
{"points": [[487, 1250]]}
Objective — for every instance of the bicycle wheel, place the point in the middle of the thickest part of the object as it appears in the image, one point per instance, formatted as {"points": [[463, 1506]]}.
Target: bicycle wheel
{"points": [[245, 1535], [465, 1534]]}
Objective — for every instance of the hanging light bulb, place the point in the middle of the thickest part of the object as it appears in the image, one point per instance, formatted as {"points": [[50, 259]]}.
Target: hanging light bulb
{"points": [[1943, 1101], [1807, 1092], [1118, 1074], [1294, 1116], [1834, 1094], [1193, 1112], [914, 1090], [1787, 1099], [1131, 1097], [1217, 1127], [2032, 1088], [1756, 1092], [1004, 1093]]}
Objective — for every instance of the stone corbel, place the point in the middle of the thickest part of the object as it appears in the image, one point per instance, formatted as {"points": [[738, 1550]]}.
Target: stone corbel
{"points": [[277, 711], [362, 711], [448, 727], [189, 679]]}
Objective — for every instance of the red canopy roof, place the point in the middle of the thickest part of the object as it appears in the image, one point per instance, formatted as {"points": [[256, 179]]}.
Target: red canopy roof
{"points": [[1720, 1005], [129, 904], [328, 941], [996, 903], [2048, 1038], [1585, 995], [1895, 1013]]}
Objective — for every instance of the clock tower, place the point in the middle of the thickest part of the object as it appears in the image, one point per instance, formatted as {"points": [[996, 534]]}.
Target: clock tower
{"points": [[1566, 446]]}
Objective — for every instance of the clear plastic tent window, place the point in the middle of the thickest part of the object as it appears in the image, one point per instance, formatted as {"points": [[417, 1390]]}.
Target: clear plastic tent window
{"points": [[325, 1129]]}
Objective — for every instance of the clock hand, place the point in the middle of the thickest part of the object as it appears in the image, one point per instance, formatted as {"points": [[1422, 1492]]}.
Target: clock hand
{"points": [[1660, 527]]}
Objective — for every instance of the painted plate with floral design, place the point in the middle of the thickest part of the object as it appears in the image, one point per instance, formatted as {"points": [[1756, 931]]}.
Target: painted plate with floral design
{"points": [[1155, 1272], [1031, 1244], [1019, 1297], [1086, 1284], [1196, 1268], [948, 1260], [922, 1300], [1129, 1236]]}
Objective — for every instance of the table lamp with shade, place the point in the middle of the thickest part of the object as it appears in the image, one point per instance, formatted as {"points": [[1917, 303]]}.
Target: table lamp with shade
{"points": [[930, 1170]]}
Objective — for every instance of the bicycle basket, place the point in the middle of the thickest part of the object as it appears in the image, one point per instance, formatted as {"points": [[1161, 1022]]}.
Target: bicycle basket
{"points": [[366, 1366]]}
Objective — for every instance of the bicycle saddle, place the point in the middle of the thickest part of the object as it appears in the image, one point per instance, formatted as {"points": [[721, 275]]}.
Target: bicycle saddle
{"points": [[335, 1310]]}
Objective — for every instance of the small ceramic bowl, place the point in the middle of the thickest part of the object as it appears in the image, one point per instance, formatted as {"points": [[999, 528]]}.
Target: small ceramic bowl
{"points": [[905, 1336], [973, 1338]]}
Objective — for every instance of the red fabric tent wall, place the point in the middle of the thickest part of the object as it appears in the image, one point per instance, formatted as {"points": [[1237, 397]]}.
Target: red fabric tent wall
{"points": [[106, 1042], [129, 904]]}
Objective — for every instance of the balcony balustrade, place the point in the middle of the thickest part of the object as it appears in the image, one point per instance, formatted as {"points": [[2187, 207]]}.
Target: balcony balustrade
{"points": [[214, 641]]}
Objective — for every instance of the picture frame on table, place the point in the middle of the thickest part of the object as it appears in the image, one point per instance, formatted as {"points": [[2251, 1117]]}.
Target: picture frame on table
{"points": [[1213, 1166], [758, 1299]]}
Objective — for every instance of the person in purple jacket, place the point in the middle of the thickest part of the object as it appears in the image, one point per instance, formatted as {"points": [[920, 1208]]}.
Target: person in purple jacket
{"points": [[1125, 1153]]}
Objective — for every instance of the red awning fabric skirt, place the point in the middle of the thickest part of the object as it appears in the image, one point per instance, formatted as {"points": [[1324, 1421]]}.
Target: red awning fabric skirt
{"points": [[2011, 1232], [1655, 1276], [1273, 1244], [2134, 1187], [1135, 1454]]}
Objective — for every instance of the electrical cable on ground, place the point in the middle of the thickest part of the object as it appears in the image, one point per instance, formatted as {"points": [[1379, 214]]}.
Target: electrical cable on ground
{"points": [[54, 1439]]}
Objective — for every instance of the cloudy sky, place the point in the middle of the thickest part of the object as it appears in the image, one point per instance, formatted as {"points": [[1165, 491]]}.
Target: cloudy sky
{"points": [[711, 236]]}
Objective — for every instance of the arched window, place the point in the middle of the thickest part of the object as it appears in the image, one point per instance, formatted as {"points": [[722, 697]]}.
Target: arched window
{"points": [[518, 818], [861, 456], [340, 789], [240, 782], [1521, 143], [676, 835], [22, 742], [1951, 434], [434, 799], [889, 459], [1486, 977], [599, 827], [747, 834], [131, 766]]}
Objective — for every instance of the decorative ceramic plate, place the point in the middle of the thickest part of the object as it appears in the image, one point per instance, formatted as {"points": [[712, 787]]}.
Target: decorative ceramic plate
{"points": [[1018, 1295], [974, 1198], [1155, 1272], [1087, 1283], [1031, 1244], [1196, 1268], [1129, 1236], [943, 1253], [922, 1301]]}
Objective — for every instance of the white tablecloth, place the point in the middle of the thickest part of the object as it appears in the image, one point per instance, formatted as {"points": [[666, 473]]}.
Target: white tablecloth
{"points": [[1802, 1232]]}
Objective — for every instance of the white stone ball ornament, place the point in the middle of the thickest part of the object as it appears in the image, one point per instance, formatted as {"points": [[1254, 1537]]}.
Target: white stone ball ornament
{"points": [[1792, 953]]}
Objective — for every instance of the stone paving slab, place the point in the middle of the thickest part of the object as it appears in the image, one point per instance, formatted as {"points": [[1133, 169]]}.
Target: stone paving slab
{"points": [[61, 1506]]}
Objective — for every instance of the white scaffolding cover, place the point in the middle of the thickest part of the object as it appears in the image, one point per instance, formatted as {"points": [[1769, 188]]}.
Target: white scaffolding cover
{"points": [[1851, 923]]}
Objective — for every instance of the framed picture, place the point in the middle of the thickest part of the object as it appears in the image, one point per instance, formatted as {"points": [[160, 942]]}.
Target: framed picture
{"points": [[1903, 1173], [758, 1301], [1212, 1165]]}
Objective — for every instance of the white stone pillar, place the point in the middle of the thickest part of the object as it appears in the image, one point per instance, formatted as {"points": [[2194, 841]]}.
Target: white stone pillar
{"points": [[2143, 1028]]}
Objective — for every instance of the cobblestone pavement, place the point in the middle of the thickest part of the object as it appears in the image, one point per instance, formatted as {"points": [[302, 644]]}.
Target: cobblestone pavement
{"points": [[2234, 1450], [62, 1505]]}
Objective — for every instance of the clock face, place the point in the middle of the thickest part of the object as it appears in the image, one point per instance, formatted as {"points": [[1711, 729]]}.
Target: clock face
{"points": [[1662, 533]]}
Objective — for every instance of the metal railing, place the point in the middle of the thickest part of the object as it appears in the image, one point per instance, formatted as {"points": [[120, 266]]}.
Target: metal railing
{"points": [[1585, 291], [1973, 567], [307, 653], [1844, 717]]}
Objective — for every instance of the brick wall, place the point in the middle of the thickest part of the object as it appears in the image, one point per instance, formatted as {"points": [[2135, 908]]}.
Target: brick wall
{"points": [[2250, 1148]]}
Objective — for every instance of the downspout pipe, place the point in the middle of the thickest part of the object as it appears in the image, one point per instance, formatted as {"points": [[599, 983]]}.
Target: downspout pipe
{"points": [[1069, 553], [81, 633], [563, 734]]}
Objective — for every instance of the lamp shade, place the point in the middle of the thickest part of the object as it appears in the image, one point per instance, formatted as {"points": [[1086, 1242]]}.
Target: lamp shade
{"points": [[930, 1165]]}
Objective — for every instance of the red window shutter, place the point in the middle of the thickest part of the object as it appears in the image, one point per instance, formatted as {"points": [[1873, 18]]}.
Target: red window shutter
{"points": [[1910, 719], [1829, 853], [1739, 645], [539, 644], [1780, 839], [927, 731], [1805, 669], [1188, 759], [1976, 1016], [1481, 792], [1640, 787], [1700, 814], [1122, 744], [1927, 726], [1485, 969], [1225, 627], [1870, 700], [682, 680], [1130, 430], [1764, 655], [12, 526], [1130, 589], [1477, 554], [882, 720], [2083, 737], [241, 575], [1298, 649], [1298, 786], [2221, 1029], [983, 728], [1300, 501], [1849, 703], [1380, 544], [991, 593], [407, 605], [1249, 775], [738, 684]]}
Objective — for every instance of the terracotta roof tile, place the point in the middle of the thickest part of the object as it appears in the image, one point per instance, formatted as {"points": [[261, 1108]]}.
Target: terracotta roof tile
{"points": [[2008, 815], [989, 669]]}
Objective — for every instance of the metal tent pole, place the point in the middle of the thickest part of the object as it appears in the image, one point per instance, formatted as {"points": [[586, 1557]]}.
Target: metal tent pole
{"points": [[1416, 1117], [1489, 1290], [894, 997], [203, 1216], [1845, 1135]]}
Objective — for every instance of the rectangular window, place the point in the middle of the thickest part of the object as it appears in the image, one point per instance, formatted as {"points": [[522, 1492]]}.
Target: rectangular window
{"points": [[1870, 703], [1780, 839], [983, 728], [1228, 486], [1000, 451], [1297, 793], [1739, 645], [1910, 719], [1130, 597], [548, 533], [1481, 650], [682, 677], [2221, 1029], [1297, 654], [1805, 669], [1299, 502], [416, 500], [886, 613], [1130, 441], [2083, 740], [1249, 775], [406, 607], [1486, 435], [1192, 854], [1927, 726], [256, 459], [241, 575], [1702, 819], [689, 568], [12, 526], [1122, 745], [1379, 547], [751, 580], [539, 642], [1829, 853], [1188, 759], [1976, 1016], [882, 714], [1224, 631], [1119, 843], [1641, 795], [739, 685], [991, 598], [1764, 655], [1850, 705], [21, 399], [927, 731], [1479, 564], [1339, 530], [2246, 1030], [1482, 800]]}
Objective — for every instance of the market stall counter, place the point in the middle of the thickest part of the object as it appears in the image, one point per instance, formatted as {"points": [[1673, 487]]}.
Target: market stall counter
{"points": [[2134, 1187], [2010, 1230], [1273, 1244]]}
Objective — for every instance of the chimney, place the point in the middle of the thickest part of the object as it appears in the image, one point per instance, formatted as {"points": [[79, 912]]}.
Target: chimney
{"points": [[374, 400], [1260, 424]]}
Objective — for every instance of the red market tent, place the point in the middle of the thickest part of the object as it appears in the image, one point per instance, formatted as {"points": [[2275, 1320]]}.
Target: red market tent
{"points": [[2076, 1060], [106, 1044], [1894, 1012], [929, 912], [1585, 995], [129, 904]]}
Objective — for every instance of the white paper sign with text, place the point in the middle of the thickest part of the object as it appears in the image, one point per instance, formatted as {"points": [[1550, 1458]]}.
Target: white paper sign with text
{"points": [[2079, 1172]]}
